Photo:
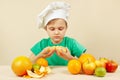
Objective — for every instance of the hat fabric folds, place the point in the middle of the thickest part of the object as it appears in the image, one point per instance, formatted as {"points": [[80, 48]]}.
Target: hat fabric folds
{"points": [[52, 11]]}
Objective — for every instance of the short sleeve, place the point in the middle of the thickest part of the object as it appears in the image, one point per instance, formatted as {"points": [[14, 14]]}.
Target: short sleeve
{"points": [[36, 48], [77, 48], [39, 46]]}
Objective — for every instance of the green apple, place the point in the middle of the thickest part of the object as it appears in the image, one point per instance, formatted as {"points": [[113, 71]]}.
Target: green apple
{"points": [[100, 71]]}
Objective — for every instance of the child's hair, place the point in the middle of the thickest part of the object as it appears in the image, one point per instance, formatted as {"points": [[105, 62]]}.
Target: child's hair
{"points": [[53, 20]]}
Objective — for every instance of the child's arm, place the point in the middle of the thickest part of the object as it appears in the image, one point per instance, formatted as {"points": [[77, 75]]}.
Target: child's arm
{"points": [[48, 51]]}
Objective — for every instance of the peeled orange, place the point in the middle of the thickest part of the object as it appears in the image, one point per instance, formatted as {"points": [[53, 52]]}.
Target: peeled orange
{"points": [[74, 66], [20, 65]]}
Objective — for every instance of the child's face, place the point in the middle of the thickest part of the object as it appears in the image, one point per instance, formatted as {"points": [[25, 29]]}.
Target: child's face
{"points": [[56, 30]]}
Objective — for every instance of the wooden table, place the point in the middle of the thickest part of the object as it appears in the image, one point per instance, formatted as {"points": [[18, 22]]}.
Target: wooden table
{"points": [[58, 73]]}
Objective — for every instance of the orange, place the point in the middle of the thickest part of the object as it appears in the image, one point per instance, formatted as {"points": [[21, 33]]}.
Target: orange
{"points": [[42, 62], [74, 66], [85, 57], [20, 65]]}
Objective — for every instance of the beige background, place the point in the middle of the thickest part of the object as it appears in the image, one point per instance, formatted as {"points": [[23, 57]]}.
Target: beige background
{"points": [[94, 23]]}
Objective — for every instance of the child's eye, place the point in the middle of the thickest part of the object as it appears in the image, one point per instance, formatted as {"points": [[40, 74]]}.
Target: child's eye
{"points": [[61, 28], [52, 29]]}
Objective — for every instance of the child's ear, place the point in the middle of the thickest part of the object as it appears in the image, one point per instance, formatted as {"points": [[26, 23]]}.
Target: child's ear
{"points": [[45, 27]]}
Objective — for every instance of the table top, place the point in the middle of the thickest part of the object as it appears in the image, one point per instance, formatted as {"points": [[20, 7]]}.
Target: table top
{"points": [[58, 73]]}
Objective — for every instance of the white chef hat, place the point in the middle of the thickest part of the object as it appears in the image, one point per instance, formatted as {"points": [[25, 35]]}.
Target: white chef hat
{"points": [[52, 11]]}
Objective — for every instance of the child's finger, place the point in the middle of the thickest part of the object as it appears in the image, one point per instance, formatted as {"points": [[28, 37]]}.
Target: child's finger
{"points": [[58, 52], [67, 50]]}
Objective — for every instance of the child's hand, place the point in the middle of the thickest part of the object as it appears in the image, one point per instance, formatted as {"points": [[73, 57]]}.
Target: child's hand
{"points": [[48, 51], [64, 52]]}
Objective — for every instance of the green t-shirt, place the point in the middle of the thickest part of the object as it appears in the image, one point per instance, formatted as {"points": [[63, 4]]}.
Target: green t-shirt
{"points": [[74, 47]]}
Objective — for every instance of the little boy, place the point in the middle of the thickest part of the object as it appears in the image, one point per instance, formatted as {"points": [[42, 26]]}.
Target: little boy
{"points": [[57, 48]]}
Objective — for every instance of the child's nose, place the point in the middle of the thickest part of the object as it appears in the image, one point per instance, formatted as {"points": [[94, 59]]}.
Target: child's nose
{"points": [[56, 31]]}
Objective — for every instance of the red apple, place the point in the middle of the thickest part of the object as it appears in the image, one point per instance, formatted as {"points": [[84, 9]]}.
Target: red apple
{"points": [[111, 66]]}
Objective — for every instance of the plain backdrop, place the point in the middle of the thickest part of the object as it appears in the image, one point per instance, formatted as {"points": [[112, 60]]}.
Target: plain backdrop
{"points": [[93, 23]]}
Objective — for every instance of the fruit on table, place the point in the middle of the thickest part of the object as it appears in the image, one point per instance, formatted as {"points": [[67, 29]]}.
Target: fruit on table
{"points": [[111, 66], [36, 66], [85, 56], [39, 73], [100, 71], [34, 75], [42, 62], [20, 65], [88, 67], [74, 66], [100, 63], [103, 59]]}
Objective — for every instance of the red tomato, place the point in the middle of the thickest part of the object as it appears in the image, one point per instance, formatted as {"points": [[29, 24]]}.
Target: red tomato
{"points": [[111, 66]]}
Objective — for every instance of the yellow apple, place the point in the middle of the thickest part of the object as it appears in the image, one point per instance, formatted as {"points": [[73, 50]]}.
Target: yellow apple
{"points": [[89, 67], [104, 59], [100, 63]]}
